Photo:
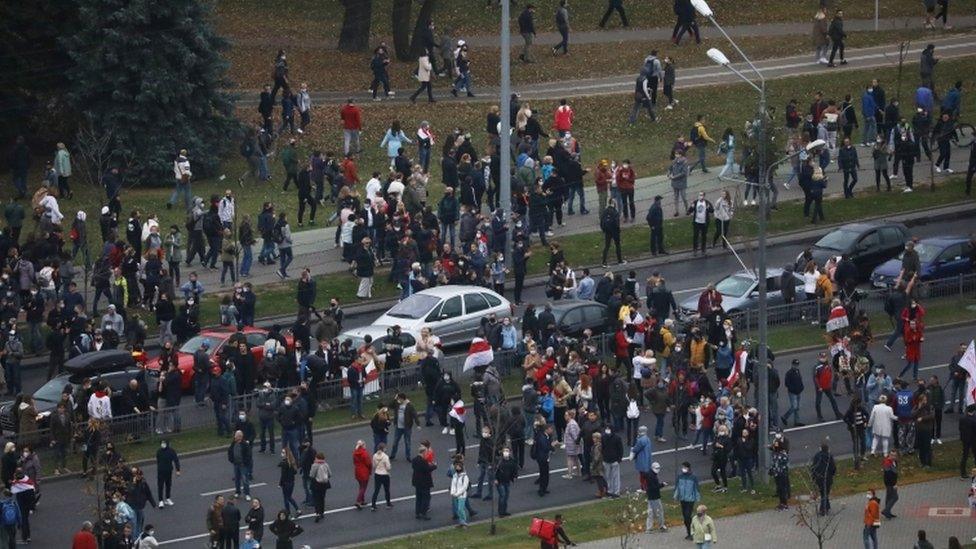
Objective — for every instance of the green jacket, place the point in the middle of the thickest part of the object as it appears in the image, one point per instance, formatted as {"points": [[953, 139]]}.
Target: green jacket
{"points": [[701, 526], [62, 163], [289, 157], [228, 249]]}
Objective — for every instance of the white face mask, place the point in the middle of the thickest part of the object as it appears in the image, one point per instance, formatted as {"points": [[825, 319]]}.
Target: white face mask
{"points": [[685, 469], [162, 445]]}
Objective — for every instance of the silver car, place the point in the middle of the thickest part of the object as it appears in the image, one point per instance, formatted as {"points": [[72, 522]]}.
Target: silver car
{"points": [[453, 313], [740, 292]]}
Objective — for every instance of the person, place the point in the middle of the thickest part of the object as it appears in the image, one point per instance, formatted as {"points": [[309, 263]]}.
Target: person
{"points": [[702, 529], [922, 542], [320, 474], [406, 419], [967, 436], [167, 462], [880, 423], [856, 419], [923, 414], [463, 62], [837, 37], [780, 469], [422, 481], [687, 494], [285, 529], [83, 538], [701, 211], [642, 452], [506, 474], [459, 493], [352, 120], [610, 225], [365, 268], [678, 175], [381, 475], [823, 382], [655, 510], [281, 235], [642, 98], [700, 140], [614, 6], [182, 174], [362, 467], [724, 210], [822, 471], [847, 161], [655, 221], [147, 540], [889, 472], [542, 447], [424, 75], [239, 455], [562, 25], [872, 520], [526, 25]]}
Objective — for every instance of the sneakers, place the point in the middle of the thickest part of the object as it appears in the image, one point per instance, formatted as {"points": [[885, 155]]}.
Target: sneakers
{"points": [[444, 431], [169, 502], [949, 170], [668, 108], [887, 347], [907, 190], [161, 504]]}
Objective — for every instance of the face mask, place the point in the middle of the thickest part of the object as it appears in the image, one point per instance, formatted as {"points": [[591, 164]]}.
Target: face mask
{"points": [[506, 454], [153, 533], [241, 417], [287, 402], [447, 378], [162, 445], [868, 496], [26, 454], [246, 536], [485, 434], [684, 469]]}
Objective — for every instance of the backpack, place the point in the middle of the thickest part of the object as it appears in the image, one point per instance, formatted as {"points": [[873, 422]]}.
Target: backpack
{"points": [[654, 339], [211, 223], [695, 136], [9, 514], [277, 236]]}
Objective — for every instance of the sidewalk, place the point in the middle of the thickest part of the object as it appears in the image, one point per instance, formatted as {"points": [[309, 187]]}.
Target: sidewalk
{"points": [[939, 507], [315, 247]]}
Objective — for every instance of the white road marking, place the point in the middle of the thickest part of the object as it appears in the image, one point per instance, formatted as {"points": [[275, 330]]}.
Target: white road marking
{"points": [[215, 492]]}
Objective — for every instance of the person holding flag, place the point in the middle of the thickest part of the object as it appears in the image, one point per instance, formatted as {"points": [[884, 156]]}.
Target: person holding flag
{"points": [[914, 335], [479, 354], [959, 376]]}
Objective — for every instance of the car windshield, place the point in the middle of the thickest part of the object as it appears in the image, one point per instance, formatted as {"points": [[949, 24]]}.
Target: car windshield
{"points": [[926, 252], [839, 240], [735, 285], [194, 343], [415, 306], [51, 391]]}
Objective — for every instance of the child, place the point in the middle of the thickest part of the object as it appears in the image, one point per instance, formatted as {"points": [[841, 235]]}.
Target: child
{"points": [[669, 78]]}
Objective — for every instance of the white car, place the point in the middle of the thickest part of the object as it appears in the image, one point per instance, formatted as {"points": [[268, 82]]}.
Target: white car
{"points": [[379, 334], [453, 313]]}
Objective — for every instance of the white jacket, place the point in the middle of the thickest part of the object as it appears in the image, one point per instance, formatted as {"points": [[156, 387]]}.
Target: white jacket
{"points": [[459, 485], [181, 166], [51, 209], [723, 210], [810, 282], [424, 69], [881, 420]]}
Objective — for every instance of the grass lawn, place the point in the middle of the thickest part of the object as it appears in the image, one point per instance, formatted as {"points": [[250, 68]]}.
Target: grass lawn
{"points": [[301, 21], [612, 518], [330, 70]]}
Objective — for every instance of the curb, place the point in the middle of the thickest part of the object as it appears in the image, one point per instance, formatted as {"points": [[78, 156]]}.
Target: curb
{"points": [[349, 426]]}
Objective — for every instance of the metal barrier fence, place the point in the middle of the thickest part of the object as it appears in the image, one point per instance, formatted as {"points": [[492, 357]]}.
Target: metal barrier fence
{"points": [[331, 393]]}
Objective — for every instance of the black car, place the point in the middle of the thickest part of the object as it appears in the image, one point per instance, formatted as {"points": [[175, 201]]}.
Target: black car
{"points": [[575, 315], [868, 244], [114, 367]]}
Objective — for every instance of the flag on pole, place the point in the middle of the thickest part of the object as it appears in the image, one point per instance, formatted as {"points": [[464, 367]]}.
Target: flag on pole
{"points": [[837, 319], [968, 363], [738, 367], [479, 354]]}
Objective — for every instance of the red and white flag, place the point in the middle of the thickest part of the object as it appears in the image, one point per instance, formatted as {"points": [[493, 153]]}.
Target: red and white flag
{"points": [[738, 367], [968, 363], [837, 319], [479, 354]]}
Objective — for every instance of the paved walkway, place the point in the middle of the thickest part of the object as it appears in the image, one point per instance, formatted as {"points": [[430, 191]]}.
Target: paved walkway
{"points": [[938, 507], [706, 75]]}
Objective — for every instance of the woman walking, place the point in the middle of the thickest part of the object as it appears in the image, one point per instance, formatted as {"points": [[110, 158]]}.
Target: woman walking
{"points": [[724, 210], [727, 146], [320, 474], [459, 493], [381, 475], [702, 529], [820, 39], [781, 473], [362, 467], [393, 140], [424, 74], [721, 448], [286, 479]]}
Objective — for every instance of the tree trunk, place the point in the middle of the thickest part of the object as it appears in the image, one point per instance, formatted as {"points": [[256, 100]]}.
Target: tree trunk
{"points": [[423, 16], [354, 35], [401, 29]]}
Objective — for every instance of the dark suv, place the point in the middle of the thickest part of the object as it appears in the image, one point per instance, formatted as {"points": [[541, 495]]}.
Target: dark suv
{"points": [[868, 244]]}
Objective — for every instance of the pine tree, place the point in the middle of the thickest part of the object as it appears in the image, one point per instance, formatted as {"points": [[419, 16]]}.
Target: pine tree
{"points": [[150, 74]]}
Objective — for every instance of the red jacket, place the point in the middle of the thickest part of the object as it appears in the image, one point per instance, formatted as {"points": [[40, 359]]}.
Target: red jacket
{"points": [[352, 117], [563, 118], [349, 171], [708, 300], [823, 376], [603, 178], [84, 540], [626, 178], [913, 341], [621, 345], [708, 415], [362, 463]]}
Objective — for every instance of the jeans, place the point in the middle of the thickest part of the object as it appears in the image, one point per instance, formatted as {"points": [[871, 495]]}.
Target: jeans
{"points": [[574, 189], [851, 177], [200, 386], [460, 510], [246, 259], [264, 173], [896, 333], [350, 138], [526, 54], [289, 438], [286, 494], [267, 250], [870, 537], [729, 166], [891, 498], [181, 189], [164, 485], [503, 490], [679, 195], [405, 434], [659, 425], [227, 267], [463, 82], [774, 410], [701, 158], [833, 403], [655, 512], [911, 365], [285, 259], [957, 391], [564, 42], [447, 229], [379, 438], [612, 474], [869, 133], [223, 422], [485, 470], [242, 476], [268, 430], [745, 474], [422, 502], [378, 482], [356, 404]]}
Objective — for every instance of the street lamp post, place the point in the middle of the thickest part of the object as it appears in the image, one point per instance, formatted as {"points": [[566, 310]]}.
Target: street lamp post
{"points": [[504, 131], [762, 186]]}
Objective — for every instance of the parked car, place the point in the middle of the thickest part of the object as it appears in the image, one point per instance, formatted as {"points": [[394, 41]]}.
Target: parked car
{"points": [[379, 335], [940, 256], [217, 338], [868, 244], [740, 292], [114, 367], [453, 313], [575, 315]]}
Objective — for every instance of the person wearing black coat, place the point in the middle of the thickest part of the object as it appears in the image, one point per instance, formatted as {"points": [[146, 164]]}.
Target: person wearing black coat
{"points": [[137, 496], [239, 454], [506, 473], [822, 471], [967, 435], [610, 225], [526, 25], [837, 36], [230, 524], [305, 197], [794, 387], [655, 221], [422, 480], [613, 454], [167, 461]]}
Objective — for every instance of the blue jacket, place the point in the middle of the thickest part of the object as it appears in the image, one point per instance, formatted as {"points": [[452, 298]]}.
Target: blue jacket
{"points": [[950, 102], [924, 99], [686, 488], [868, 106], [642, 454]]}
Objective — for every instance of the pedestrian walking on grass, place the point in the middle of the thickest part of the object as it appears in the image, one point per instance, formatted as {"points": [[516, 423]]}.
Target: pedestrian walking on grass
{"points": [[837, 37], [526, 25], [614, 6], [562, 25]]}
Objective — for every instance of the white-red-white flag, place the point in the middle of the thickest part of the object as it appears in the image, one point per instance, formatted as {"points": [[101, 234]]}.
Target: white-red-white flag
{"points": [[479, 354], [968, 363], [837, 319]]}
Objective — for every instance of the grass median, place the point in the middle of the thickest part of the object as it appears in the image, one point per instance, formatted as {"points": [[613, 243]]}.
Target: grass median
{"points": [[612, 518]]}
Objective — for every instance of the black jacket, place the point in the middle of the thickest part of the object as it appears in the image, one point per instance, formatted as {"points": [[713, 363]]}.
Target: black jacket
{"points": [[613, 448], [422, 473], [167, 460], [967, 429], [507, 471], [655, 215], [245, 452], [794, 381], [526, 22]]}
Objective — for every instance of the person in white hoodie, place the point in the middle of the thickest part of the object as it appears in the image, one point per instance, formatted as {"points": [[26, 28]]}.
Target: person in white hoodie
{"points": [[52, 212], [304, 107], [459, 493], [182, 175], [147, 540], [724, 210], [880, 423]]}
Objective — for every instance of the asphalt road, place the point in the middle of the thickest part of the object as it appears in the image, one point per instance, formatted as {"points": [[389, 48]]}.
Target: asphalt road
{"points": [[207, 475], [685, 278]]}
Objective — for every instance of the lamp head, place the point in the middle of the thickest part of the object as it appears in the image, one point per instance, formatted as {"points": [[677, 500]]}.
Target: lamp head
{"points": [[701, 6], [717, 57], [816, 144]]}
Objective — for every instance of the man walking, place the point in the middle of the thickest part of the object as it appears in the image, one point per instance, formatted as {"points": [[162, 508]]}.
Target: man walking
{"points": [[526, 24], [406, 419], [889, 469], [352, 124], [655, 221], [423, 481], [562, 25], [700, 139], [848, 162], [822, 471], [610, 224], [614, 6], [837, 36]]}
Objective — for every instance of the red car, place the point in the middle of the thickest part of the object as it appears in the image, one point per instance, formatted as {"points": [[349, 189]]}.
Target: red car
{"points": [[217, 337]]}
